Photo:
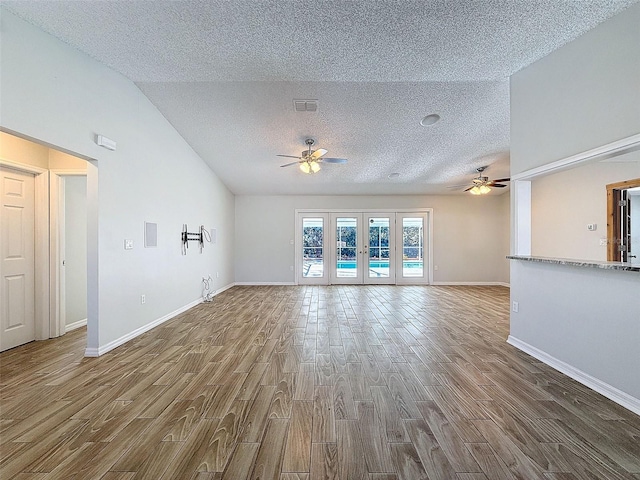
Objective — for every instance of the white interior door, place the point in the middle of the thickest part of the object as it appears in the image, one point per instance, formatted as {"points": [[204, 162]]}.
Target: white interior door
{"points": [[17, 258]]}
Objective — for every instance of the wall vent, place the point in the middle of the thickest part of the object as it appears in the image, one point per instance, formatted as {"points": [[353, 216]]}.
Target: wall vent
{"points": [[300, 105]]}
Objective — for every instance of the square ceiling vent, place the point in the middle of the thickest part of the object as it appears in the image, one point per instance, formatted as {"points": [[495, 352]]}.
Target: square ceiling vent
{"points": [[300, 105]]}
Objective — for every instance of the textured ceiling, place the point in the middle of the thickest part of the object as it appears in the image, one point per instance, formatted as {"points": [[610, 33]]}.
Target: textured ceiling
{"points": [[225, 74]]}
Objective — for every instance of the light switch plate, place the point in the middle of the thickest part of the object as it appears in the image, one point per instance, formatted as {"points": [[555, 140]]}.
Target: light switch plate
{"points": [[128, 244]]}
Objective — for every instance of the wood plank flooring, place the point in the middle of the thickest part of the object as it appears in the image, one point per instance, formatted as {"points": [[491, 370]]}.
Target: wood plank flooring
{"points": [[310, 383]]}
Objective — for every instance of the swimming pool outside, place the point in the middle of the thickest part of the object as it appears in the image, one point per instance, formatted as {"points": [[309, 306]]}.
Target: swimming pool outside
{"points": [[377, 268], [380, 264]]}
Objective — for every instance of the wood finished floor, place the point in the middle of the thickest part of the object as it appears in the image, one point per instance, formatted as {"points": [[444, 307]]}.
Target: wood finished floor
{"points": [[306, 383]]}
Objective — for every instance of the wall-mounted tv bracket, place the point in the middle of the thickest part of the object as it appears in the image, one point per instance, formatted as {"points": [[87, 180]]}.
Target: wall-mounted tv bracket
{"points": [[187, 237]]}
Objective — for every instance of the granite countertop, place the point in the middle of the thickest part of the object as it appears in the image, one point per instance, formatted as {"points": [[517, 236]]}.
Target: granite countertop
{"points": [[626, 266]]}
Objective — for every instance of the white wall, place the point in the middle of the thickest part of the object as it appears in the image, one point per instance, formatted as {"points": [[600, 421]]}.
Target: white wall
{"points": [[75, 254], [562, 204], [470, 233], [581, 96], [55, 94], [587, 318]]}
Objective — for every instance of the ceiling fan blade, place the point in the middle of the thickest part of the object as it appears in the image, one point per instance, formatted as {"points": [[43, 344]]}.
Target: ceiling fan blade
{"points": [[333, 160], [499, 185], [502, 180], [469, 188], [318, 153], [459, 186], [289, 164], [288, 156]]}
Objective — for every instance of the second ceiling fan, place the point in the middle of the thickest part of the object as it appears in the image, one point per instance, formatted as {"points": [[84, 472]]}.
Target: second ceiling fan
{"points": [[309, 160], [481, 185]]}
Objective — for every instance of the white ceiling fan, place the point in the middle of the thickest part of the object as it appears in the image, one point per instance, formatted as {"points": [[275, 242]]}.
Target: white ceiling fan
{"points": [[309, 160]]}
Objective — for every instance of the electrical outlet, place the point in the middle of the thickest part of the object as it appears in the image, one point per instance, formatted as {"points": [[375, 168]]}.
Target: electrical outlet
{"points": [[128, 244], [435, 267], [515, 307], [603, 242], [592, 227], [291, 267], [143, 299]]}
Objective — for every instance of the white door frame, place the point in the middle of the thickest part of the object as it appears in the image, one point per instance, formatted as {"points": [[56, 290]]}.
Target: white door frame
{"points": [[42, 297], [57, 245], [44, 327], [428, 277]]}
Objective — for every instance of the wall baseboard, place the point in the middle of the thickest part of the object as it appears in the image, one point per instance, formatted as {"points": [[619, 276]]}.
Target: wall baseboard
{"points": [[500, 284], [96, 352], [223, 289], [74, 325], [612, 393]]}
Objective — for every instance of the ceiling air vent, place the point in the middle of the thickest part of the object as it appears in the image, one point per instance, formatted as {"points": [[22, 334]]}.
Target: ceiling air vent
{"points": [[305, 105]]}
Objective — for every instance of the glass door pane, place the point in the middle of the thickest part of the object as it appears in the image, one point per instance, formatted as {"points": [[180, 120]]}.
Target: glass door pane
{"points": [[413, 247], [379, 249], [313, 251], [347, 247]]}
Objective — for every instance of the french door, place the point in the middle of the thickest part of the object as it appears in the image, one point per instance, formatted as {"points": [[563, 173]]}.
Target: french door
{"points": [[362, 247], [312, 262], [412, 234]]}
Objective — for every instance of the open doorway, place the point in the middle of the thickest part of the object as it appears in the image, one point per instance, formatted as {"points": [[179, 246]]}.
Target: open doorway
{"points": [[623, 221], [48, 167], [71, 259]]}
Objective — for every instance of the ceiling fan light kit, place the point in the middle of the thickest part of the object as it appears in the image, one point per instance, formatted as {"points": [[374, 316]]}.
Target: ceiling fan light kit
{"points": [[310, 167], [480, 190], [309, 160], [481, 185]]}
